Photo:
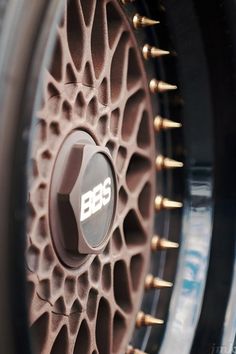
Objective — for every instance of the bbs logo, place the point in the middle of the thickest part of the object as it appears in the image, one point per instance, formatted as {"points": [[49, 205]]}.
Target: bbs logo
{"points": [[95, 199]]}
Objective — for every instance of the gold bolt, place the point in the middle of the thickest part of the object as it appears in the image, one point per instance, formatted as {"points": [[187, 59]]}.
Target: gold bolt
{"points": [[164, 203], [152, 282], [153, 52], [166, 163], [161, 86], [147, 320], [161, 244], [165, 124], [142, 21]]}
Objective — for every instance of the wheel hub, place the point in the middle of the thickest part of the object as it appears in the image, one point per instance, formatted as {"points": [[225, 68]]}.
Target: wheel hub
{"points": [[83, 198]]}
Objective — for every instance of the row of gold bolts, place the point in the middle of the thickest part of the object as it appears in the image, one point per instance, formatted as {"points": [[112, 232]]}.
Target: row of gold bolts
{"points": [[160, 124]]}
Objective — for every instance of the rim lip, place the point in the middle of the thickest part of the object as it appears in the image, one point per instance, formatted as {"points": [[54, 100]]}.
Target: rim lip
{"points": [[192, 267], [197, 220], [198, 173], [218, 299]]}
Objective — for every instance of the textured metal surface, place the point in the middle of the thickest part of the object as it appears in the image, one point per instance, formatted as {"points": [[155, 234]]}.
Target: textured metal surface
{"points": [[96, 82]]}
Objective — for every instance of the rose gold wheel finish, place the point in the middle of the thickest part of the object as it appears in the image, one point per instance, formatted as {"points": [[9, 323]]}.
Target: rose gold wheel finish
{"points": [[96, 84]]}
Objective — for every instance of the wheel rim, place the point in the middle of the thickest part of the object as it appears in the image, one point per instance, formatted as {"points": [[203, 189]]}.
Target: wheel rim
{"points": [[90, 306]]}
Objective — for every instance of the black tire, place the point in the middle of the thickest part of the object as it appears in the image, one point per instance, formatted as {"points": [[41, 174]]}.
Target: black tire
{"points": [[19, 33]]}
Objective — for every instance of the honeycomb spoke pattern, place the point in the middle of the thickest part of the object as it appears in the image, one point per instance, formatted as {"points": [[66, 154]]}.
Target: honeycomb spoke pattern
{"points": [[96, 82]]}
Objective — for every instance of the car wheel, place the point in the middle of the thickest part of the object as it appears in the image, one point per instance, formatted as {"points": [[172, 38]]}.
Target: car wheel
{"points": [[108, 244]]}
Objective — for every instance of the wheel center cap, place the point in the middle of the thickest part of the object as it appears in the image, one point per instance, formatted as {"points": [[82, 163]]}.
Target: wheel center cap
{"points": [[83, 198], [96, 194]]}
